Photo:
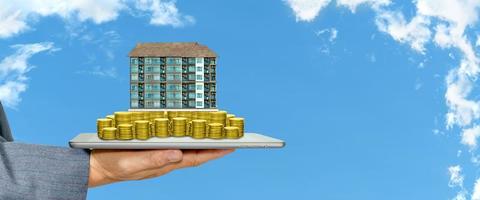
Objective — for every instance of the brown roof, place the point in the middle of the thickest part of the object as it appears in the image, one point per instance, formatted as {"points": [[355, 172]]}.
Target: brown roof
{"points": [[177, 49]]}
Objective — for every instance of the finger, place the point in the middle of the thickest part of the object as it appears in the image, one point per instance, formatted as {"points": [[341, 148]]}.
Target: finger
{"points": [[192, 158]]}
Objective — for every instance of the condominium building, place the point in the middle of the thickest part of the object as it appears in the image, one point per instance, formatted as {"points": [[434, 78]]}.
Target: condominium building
{"points": [[178, 75]]}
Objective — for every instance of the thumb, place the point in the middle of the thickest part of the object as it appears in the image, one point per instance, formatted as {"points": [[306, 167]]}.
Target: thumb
{"points": [[160, 158]]}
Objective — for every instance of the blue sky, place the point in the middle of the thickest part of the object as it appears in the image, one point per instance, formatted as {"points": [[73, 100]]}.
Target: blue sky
{"points": [[375, 99]]}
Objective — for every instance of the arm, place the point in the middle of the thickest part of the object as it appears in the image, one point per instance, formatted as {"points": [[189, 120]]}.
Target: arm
{"points": [[30, 171]]}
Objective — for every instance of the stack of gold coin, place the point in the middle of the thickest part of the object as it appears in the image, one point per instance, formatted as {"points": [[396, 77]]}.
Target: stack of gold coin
{"points": [[186, 114], [146, 115], [172, 114], [103, 123], [198, 128], [161, 127], [124, 132], [155, 115], [231, 132], [218, 117], [112, 117], [122, 118], [179, 126], [109, 133], [136, 116], [238, 122], [227, 123], [142, 129], [203, 115], [215, 130]]}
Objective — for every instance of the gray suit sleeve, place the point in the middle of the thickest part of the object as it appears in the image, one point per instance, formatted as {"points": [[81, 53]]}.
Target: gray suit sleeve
{"points": [[41, 172], [29, 171]]}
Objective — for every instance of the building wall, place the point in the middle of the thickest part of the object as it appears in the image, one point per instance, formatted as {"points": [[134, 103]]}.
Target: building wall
{"points": [[172, 82]]}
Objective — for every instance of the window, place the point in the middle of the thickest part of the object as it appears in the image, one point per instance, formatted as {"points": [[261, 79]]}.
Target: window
{"points": [[191, 60], [174, 61], [173, 77], [199, 60], [134, 88], [191, 68], [149, 95], [191, 95], [149, 69], [191, 86], [174, 69], [156, 77], [199, 103], [149, 77], [199, 69], [156, 61], [133, 60], [156, 87], [134, 68], [173, 87], [199, 95], [148, 87], [148, 61], [199, 78], [191, 77], [199, 87], [134, 77]]}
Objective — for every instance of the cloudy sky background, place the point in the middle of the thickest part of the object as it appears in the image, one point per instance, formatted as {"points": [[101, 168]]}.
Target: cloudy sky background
{"points": [[376, 99]]}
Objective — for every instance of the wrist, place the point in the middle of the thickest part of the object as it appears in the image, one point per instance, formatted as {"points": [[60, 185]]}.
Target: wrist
{"points": [[97, 175]]}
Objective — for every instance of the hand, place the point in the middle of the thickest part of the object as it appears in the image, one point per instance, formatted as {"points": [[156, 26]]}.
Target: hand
{"points": [[109, 166]]}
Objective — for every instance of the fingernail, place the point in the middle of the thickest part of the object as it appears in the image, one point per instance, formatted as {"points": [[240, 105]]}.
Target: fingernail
{"points": [[174, 155]]}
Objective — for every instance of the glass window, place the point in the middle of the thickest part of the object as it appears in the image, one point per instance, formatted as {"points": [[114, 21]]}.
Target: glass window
{"points": [[134, 77], [191, 68], [199, 77], [174, 68], [173, 87], [134, 69], [191, 86], [149, 77], [149, 69], [173, 77], [191, 77], [199, 87], [156, 60], [174, 61], [134, 60], [148, 87], [199, 103], [156, 87], [199, 60], [199, 69], [191, 95], [148, 61], [134, 88], [156, 77], [199, 95]]}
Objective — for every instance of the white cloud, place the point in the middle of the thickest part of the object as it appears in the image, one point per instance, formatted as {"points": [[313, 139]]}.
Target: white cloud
{"points": [[456, 177], [307, 10], [476, 190], [164, 13], [353, 4], [330, 32], [456, 181], [16, 15], [13, 70], [415, 33], [470, 135]]}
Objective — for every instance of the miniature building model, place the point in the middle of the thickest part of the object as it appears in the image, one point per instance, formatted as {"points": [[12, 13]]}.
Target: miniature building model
{"points": [[178, 75]]}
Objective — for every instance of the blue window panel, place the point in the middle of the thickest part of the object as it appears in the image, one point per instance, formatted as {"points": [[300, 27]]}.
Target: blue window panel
{"points": [[199, 95], [133, 60], [174, 61], [199, 87]]}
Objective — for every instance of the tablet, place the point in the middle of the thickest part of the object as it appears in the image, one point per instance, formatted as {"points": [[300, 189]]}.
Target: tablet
{"points": [[249, 140]]}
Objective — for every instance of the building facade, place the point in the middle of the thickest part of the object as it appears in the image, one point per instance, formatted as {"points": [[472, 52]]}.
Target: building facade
{"points": [[179, 75]]}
